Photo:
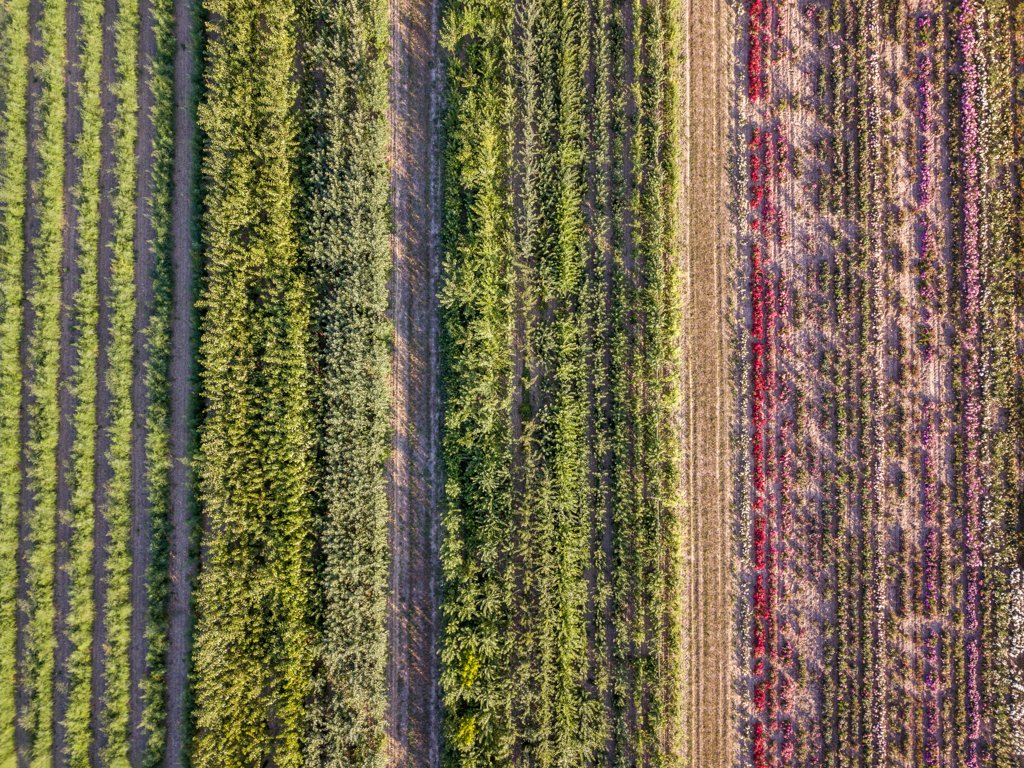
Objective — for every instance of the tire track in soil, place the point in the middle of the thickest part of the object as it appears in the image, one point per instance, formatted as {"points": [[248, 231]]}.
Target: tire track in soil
{"points": [[104, 473], [413, 729], [709, 595], [141, 529], [181, 565], [67, 363]]}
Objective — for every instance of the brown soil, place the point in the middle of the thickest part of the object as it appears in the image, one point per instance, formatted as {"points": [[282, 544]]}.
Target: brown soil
{"points": [[708, 593], [414, 485], [141, 523], [182, 567]]}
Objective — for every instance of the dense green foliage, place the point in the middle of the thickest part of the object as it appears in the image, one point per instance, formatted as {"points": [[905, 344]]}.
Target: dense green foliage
{"points": [[559, 311], [346, 251], [81, 475], [118, 382], [46, 192], [477, 337], [253, 646], [160, 81], [13, 85]]}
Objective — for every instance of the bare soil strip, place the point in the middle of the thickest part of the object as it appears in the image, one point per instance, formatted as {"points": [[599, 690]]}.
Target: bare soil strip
{"points": [[708, 592], [414, 486], [67, 363], [144, 261], [182, 567], [108, 182]]}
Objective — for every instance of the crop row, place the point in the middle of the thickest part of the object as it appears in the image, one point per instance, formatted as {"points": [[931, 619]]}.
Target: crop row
{"points": [[558, 315], [43, 246], [347, 252], [253, 654], [295, 352], [160, 82], [14, 73], [117, 318], [85, 342], [882, 429]]}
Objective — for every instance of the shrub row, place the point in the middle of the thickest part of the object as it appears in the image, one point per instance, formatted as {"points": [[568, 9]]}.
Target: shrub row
{"points": [[13, 150], [41, 344], [253, 645], [559, 312], [82, 472], [346, 253], [160, 81]]}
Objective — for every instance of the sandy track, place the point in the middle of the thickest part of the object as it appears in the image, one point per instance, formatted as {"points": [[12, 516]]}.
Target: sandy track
{"points": [[708, 591], [414, 487], [144, 261], [67, 363], [182, 567]]}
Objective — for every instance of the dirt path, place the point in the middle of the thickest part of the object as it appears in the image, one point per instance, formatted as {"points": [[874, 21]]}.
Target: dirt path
{"points": [[414, 487], [181, 383], [67, 363], [144, 261], [708, 589]]}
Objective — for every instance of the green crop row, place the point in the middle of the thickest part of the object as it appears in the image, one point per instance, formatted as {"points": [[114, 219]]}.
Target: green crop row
{"points": [[118, 382], [42, 342], [85, 198], [551, 541], [477, 330], [346, 250], [13, 150], [160, 81], [253, 645], [559, 312]]}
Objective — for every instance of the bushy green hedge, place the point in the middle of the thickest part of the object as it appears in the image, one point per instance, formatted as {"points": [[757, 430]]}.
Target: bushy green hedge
{"points": [[42, 346], [253, 645], [13, 86], [82, 472], [559, 313], [346, 250], [118, 381]]}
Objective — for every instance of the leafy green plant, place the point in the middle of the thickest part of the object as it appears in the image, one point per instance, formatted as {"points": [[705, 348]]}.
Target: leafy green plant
{"points": [[82, 471], [14, 68], [41, 344], [253, 644], [346, 250]]}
